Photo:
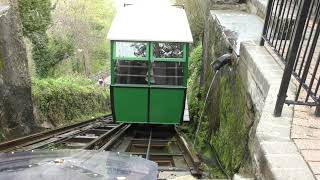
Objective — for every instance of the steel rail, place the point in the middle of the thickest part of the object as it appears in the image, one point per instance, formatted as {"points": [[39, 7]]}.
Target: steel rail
{"points": [[96, 144], [195, 167], [42, 136], [149, 145], [108, 145], [161, 144]]}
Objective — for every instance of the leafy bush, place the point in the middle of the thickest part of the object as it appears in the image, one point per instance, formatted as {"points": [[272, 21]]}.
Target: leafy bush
{"points": [[36, 18], [63, 100], [193, 85], [60, 48]]}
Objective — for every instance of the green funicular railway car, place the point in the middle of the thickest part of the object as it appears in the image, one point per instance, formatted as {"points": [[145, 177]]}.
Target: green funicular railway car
{"points": [[149, 64]]}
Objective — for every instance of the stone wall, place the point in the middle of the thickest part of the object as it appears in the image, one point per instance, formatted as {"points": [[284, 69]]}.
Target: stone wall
{"points": [[16, 111], [230, 111]]}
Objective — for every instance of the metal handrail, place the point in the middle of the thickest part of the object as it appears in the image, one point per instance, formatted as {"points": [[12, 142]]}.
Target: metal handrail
{"points": [[292, 29]]}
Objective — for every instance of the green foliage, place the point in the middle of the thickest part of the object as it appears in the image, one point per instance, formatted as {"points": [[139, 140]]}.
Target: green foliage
{"points": [[196, 12], [193, 86], [40, 54], [87, 22], [223, 131], [101, 58], [2, 136], [1, 63], [230, 140], [60, 48], [66, 99], [36, 18]]}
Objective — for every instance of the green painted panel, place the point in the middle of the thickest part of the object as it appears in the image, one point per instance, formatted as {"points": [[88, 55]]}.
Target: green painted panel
{"points": [[166, 105], [130, 104]]}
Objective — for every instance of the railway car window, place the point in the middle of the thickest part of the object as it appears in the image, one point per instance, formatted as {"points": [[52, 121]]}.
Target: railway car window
{"points": [[131, 50], [167, 73], [168, 50], [131, 72]]}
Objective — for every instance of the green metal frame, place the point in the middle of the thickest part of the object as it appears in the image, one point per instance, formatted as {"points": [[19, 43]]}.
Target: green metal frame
{"points": [[183, 59], [114, 49], [150, 59]]}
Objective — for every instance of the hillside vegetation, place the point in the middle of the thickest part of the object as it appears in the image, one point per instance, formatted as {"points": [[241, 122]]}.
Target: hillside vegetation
{"points": [[68, 51], [64, 100]]}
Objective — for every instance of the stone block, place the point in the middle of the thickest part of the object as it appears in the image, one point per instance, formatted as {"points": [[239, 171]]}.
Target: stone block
{"points": [[273, 129], [274, 147], [16, 111], [274, 152], [301, 132], [236, 27], [311, 155], [315, 166], [292, 174], [286, 161], [305, 144]]}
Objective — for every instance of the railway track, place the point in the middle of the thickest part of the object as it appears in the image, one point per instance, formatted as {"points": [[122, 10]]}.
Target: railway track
{"points": [[161, 144], [38, 140]]}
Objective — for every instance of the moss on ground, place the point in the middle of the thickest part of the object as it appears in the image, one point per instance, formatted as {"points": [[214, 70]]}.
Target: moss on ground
{"points": [[1, 63], [66, 100], [2, 136]]}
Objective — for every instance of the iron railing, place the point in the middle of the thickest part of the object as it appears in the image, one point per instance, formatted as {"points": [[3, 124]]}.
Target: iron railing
{"points": [[292, 29]]}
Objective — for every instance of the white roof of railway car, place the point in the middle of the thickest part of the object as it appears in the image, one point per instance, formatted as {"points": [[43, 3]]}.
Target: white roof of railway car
{"points": [[158, 23]]}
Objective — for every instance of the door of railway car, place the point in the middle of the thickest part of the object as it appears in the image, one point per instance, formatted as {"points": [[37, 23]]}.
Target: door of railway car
{"points": [[149, 82]]}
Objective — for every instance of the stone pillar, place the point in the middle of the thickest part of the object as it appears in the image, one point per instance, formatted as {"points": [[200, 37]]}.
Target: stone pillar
{"points": [[16, 110]]}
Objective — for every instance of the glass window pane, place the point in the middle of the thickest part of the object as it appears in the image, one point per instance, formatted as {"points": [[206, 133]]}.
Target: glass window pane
{"points": [[167, 73], [131, 49], [168, 50], [131, 72]]}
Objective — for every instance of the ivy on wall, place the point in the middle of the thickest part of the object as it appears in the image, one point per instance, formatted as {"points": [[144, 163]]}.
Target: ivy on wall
{"points": [[36, 17]]}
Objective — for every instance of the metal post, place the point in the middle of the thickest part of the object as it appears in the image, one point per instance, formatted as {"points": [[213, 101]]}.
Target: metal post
{"points": [[293, 50], [149, 145], [266, 21], [317, 113]]}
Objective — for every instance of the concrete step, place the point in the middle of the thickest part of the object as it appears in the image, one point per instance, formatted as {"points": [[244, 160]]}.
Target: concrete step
{"points": [[238, 26]]}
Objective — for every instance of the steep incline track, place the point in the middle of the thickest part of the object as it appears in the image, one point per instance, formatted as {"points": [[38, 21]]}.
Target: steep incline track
{"points": [[161, 144], [38, 140]]}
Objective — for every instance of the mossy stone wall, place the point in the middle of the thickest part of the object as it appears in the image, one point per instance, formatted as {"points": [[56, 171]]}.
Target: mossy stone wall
{"points": [[229, 112], [16, 115], [1, 63]]}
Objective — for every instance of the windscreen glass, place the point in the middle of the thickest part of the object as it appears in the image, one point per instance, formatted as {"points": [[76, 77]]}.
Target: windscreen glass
{"points": [[131, 50], [131, 72], [167, 73], [168, 50]]}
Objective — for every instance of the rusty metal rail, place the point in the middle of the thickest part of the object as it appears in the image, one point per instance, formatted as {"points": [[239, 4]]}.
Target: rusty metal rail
{"points": [[28, 141], [161, 144]]}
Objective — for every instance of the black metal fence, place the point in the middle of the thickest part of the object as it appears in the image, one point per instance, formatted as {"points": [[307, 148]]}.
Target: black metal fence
{"points": [[292, 29]]}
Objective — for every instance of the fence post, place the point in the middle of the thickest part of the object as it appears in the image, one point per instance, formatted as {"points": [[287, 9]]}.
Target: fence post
{"points": [[292, 55], [317, 111], [266, 21]]}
